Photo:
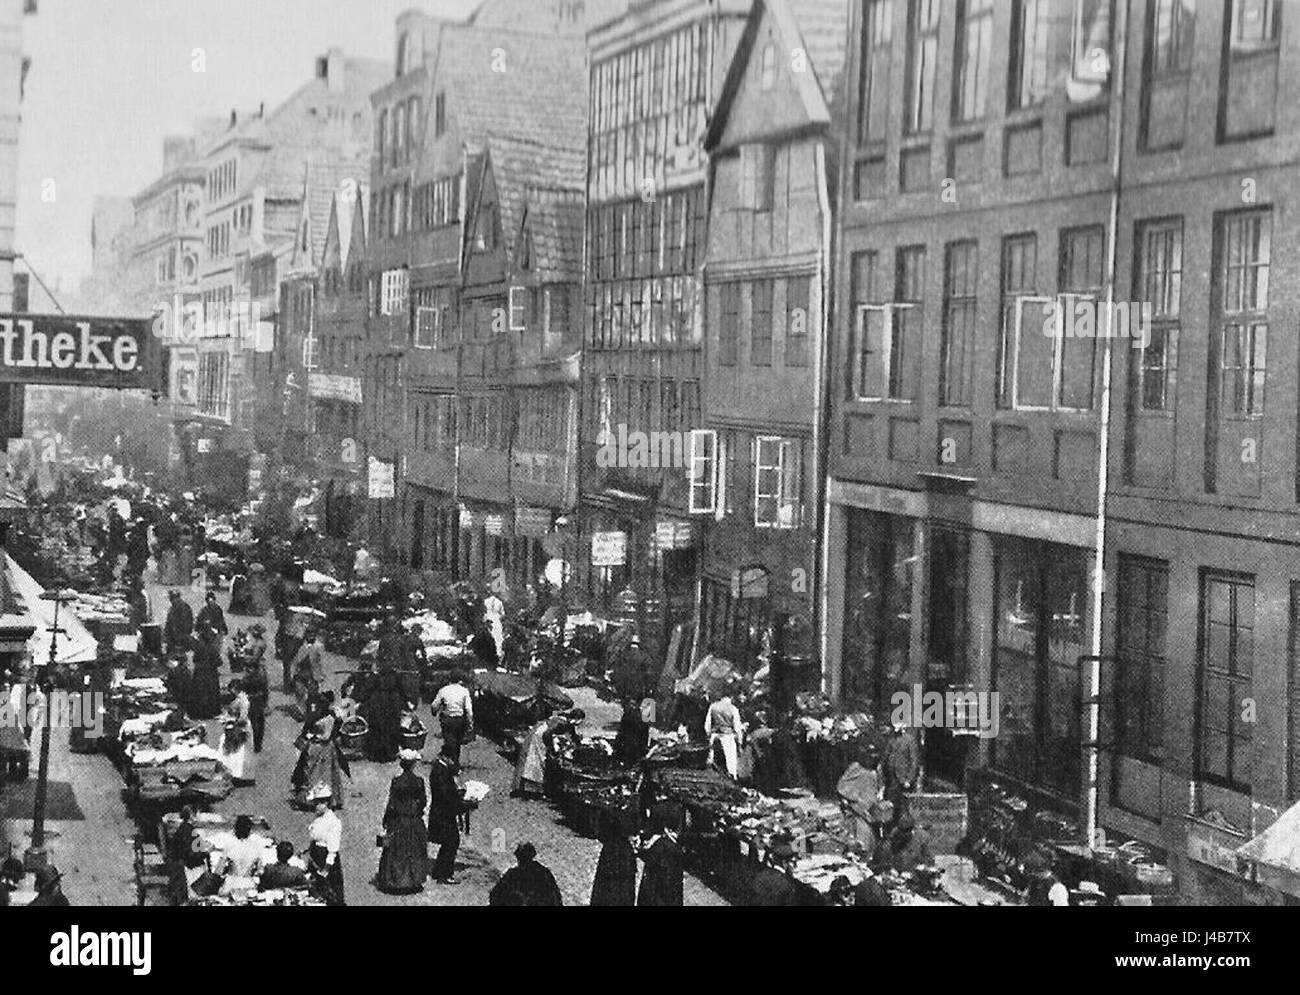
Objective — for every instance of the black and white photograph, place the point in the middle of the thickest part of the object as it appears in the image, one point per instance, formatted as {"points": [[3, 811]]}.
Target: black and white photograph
{"points": [[652, 453]]}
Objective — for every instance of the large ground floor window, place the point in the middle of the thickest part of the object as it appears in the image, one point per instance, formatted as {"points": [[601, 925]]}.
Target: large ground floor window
{"points": [[1040, 630], [879, 574]]}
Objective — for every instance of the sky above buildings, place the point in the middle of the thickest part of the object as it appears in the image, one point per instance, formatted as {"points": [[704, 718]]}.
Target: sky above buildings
{"points": [[110, 78]]}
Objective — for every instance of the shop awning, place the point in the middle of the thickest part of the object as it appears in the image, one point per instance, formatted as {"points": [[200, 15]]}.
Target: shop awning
{"points": [[1276, 853], [76, 643]]}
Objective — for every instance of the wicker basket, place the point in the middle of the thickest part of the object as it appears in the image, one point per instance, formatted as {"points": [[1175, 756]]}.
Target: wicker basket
{"points": [[353, 735], [414, 739]]}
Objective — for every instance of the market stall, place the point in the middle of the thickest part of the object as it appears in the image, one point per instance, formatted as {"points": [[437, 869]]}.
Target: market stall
{"points": [[211, 834], [164, 758], [506, 704]]}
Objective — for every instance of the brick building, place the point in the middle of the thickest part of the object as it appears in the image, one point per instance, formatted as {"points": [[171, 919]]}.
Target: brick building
{"points": [[258, 179], [1069, 156]]}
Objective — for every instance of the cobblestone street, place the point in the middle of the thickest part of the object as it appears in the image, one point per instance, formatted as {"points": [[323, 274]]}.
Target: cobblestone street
{"points": [[95, 854]]}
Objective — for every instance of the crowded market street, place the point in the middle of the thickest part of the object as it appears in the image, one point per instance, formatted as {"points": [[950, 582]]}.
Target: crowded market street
{"points": [[94, 853]]}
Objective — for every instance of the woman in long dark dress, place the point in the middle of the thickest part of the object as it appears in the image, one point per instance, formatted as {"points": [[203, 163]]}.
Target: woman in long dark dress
{"points": [[404, 864], [205, 683], [661, 882], [615, 881], [383, 714]]}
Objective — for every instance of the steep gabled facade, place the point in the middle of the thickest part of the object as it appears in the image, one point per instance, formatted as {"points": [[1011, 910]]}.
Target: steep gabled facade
{"points": [[773, 147], [655, 76]]}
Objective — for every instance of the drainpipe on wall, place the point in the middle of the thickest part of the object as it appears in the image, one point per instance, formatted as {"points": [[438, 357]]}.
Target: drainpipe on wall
{"points": [[821, 414], [1103, 435]]}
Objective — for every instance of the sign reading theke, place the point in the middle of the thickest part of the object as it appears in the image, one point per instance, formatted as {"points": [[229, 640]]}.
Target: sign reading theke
{"points": [[80, 351]]}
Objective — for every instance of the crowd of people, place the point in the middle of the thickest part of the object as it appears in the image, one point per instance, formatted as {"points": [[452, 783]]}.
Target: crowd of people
{"points": [[152, 541]]}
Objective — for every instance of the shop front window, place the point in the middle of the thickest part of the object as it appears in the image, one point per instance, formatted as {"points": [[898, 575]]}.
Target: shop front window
{"points": [[878, 608], [1040, 627]]}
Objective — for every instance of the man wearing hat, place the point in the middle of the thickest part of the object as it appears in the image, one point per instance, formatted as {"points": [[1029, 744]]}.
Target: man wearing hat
{"points": [[211, 616], [902, 767], [49, 891], [257, 683], [179, 625], [528, 883], [446, 803]]}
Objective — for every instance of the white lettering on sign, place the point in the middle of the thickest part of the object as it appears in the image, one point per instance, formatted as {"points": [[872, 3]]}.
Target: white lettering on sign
{"points": [[24, 346]]}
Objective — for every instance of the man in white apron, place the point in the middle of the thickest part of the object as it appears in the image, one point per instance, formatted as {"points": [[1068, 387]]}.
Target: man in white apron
{"points": [[722, 726]]}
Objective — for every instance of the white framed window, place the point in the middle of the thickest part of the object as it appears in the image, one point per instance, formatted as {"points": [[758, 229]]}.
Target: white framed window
{"points": [[777, 483], [702, 467], [879, 356], [1046, 374], [426, 327], [394, 290], [309, 353]]}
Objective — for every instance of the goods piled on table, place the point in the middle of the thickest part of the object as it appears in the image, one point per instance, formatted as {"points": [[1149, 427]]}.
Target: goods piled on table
{"points": [[277, 896], [163, 757], [754, 847], [1012, 838], [507, 704]]}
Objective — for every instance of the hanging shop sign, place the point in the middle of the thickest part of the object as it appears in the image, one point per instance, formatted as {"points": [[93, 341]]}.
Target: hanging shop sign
{"points": [[608, 549], [78, 351], [381, 479], [533, 522], [494, 525], [334, 387], [673, 535], [749, 582], [185, 377]]}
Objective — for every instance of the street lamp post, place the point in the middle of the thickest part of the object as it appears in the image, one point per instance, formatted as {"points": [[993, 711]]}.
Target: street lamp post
{"points": [[35, 856]]}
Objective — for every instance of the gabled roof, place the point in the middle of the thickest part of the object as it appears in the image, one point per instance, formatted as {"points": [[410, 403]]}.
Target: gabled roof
{"points": [[553, 222], [528, 86], [346, 232], [817, 27], [519, 165]]}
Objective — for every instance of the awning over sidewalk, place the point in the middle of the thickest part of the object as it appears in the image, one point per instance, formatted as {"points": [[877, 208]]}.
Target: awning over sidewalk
{"points": [[1276, 853], [76, 643]]}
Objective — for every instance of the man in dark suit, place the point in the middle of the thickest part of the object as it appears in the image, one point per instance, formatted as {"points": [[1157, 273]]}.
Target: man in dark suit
{"points": [[211, 616], [527, 883], [179, 626], [446, 803], [282, 874]]}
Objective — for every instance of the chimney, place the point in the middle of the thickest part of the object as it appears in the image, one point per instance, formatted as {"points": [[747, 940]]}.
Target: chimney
{"points": [[335, 71], [234, 117]]}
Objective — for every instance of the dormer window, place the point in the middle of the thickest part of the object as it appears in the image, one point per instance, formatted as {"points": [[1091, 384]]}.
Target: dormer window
{"points": [[485, 228], [767, 79]]}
